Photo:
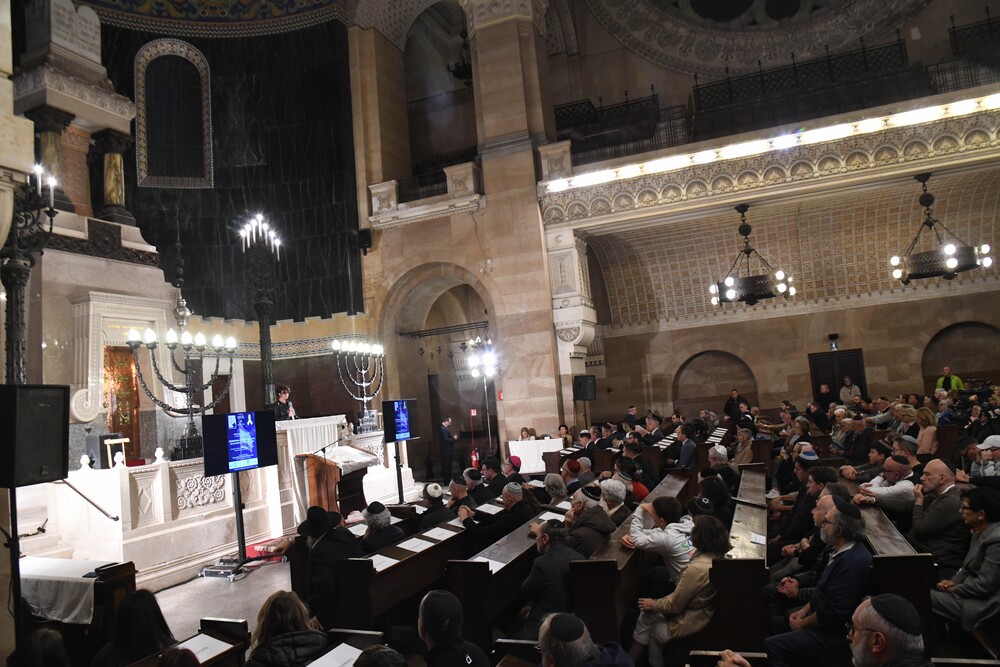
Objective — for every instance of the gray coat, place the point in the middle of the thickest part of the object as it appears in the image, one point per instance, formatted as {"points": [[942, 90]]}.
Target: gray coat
{"points": [[978, 582], [938, 529]]}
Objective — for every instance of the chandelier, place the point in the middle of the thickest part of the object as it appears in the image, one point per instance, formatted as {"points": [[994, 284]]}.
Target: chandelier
{"points": [[950, 257], [741, 284]]}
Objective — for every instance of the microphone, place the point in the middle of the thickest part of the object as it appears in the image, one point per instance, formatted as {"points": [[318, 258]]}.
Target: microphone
{"points": [[290, 408]]}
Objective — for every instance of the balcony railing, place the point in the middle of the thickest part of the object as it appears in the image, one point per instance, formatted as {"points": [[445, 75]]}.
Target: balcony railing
{"points": [[967, 40]]}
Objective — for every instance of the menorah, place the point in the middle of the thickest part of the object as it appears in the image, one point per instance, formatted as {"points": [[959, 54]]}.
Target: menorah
{"points": [[361, 368], [193, 351]]}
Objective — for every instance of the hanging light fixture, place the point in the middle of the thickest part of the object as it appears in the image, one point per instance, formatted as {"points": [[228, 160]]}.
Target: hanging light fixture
{"points": [[950, 258], [462, 69], [740, 284]]}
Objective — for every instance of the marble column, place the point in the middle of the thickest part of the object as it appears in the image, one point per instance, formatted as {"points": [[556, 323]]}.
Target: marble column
{"points": [[49, 124], [113, 145]]}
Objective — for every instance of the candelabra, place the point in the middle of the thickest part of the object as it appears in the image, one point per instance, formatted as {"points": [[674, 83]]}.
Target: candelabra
{"points": [[30, 231], [193, 349], [483, 362], [361, 368], [262, 251]]}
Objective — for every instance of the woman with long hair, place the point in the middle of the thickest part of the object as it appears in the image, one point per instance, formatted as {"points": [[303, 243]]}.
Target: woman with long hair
{"points": [[283, 637], [141, 631], [927, 442]]}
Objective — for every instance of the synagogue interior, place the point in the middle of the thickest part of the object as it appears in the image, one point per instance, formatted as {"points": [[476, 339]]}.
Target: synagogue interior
{"points": [[652, 294]]}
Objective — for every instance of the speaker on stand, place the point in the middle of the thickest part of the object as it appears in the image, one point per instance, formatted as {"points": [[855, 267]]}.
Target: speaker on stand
{"points": [[585, 389]]}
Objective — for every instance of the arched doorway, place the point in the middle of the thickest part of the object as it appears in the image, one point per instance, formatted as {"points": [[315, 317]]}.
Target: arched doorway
{"points": [[968, 347], [705, 380], [427, 322]]}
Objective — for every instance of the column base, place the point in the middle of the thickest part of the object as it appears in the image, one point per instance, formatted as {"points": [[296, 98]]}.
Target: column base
{"points": [[117, 214]]}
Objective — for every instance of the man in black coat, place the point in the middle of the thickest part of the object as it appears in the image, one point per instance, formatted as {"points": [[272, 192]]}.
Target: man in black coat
{"points": [[327, 542], [439, 624], [489, 528], [446, 443], [547, 589], [732, 407], [493, 475], [381, 532], [479, 491]]}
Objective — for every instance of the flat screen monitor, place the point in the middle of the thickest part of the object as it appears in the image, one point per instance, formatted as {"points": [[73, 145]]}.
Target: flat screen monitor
{"points": [[239, 441], [399, 419]]}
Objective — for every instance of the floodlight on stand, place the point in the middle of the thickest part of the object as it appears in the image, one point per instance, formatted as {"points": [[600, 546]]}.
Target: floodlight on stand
{"points": [[741, 284], [947, 260]]}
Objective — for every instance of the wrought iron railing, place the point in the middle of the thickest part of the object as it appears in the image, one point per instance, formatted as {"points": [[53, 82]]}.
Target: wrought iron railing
{"points": [[672, 130], [797, 77], [429, 179], [966, 38]]}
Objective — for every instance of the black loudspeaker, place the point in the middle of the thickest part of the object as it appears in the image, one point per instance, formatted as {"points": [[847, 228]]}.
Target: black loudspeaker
{"points": [[584, 388], [364, 240], [34, 434]]}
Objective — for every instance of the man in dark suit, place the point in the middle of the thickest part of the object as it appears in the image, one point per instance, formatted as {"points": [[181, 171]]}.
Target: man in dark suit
{"points": [[652, 433], [493, 475], [800, 638], [938, 527], [446, 442], [381, 532], [327, 542], [649, 477], [478, 491], [488, 528], [547, 588], [858, 441]]}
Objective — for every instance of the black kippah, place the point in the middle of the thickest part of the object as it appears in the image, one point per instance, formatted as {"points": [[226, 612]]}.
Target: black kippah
{"points": [[901, 460], [566, 627], [846, 507], [898, 611], [458, 479], [592, 492], [375, 508]]}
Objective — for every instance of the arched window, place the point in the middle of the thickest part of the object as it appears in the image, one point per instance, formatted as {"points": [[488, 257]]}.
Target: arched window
{"points": [[173, 134]]}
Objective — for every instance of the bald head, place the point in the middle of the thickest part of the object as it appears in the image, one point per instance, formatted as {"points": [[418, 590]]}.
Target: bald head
{"points": [[896, 468], [937, 477]]}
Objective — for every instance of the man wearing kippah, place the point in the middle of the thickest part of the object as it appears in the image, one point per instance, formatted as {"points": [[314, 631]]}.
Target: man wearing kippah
{"points": [[800, 638], [380, 532], [439, 624], [490, 528], [892, 491], [547, 587], [564, 640], [478, 491]]}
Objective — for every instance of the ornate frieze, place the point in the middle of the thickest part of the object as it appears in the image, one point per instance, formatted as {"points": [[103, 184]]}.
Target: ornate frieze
{"points": [[462, 197], [482, 13], [967, 139], [33, 84], [200, 490]]}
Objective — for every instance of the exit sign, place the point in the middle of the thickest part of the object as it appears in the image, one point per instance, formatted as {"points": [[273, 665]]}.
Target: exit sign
{"points": [[473, 412]]}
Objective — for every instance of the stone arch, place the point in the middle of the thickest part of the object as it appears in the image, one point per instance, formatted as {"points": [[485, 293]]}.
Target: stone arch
{"points": [[703, 381], [408, 302], [965, 346], [936, 325]]}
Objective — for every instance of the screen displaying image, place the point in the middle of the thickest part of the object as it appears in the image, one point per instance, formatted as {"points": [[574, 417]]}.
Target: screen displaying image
{"points": [[401, 413], [242, 439]]}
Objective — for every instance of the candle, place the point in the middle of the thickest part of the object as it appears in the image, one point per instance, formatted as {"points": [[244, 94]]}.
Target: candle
{"points": [[52, 192], [38, 177]]}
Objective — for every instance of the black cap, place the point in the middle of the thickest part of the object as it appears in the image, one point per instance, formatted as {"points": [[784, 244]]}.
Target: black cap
{"points": [[317, 522], [701, 505], [847, 507], [441, 613], [566, 627], [474, 474], [458, 479], [592, 491], [375, 508], [898, 611]]}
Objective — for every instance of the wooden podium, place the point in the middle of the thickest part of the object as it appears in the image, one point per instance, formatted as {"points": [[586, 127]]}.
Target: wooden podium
{"points": [[327, 488]]}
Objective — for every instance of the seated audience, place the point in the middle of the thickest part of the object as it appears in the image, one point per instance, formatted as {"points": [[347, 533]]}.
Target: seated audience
{"points": [[565, 435], [744, 447], [866, 472], [793, 579], [564, 642], [554, 489], [588, 522], [908, 421], [647, 474], [717, 455], [973, 594], [651, 434], [981, 424], [547, 588], [987, 462], [141, 631], [459, 491], [790, 512], [839, 430], [937, 526], [927, 442], [327, 542], [626, 472], [380, 655], [433, 499], [493, 477], [439, 624], [906, 446], [690, 607], [491, 527], [283, 636], [613, 499], [892, 491], [800, 638], [380, 532], [587, 442], [42, 648], [715, 489], [687, 458], [662, 528], [587, 474], [479, 492], [858, 441], [511, 468], [570, 473]]}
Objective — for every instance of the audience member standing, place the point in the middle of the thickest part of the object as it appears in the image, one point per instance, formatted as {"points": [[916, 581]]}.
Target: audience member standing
{"points": [[949, 381]]}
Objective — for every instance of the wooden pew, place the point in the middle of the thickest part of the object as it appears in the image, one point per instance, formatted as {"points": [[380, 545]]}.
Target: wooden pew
{"points": [[612, 571], [218, 643], [363, 593], [473, 582], [753, 484], [711, 658]]}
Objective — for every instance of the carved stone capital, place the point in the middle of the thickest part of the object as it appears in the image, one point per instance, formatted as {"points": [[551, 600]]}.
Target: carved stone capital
{"points": [[557, 161], [385, 197], [483, 13], [463, 179], [49, 119], [111, 141]]}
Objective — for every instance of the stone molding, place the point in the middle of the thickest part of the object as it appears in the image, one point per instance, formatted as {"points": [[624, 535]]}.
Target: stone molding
{"points": [[147, 54], [556, 159], [48, 78], [463, 180], [975, 137], [103, 239], [463, 196], [484, 13], [666, 38]]}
